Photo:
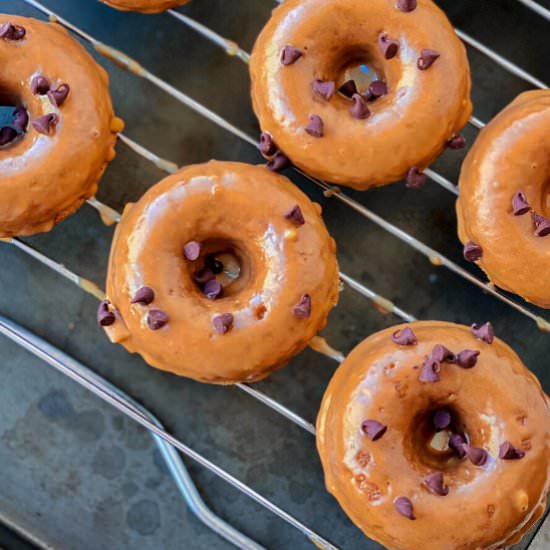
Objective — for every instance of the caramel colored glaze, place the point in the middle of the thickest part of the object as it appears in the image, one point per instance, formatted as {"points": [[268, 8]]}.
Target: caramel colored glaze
{"points": [[144, 6], [487, 507], [45, 178], [512, 153], [408, 127], [244, 207]]}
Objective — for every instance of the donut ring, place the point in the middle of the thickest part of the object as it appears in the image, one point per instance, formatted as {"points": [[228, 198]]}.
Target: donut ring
{"points": [[504, 204], [145, 6], [377, 421], [300, 59], [66, 125], [288, 273]]}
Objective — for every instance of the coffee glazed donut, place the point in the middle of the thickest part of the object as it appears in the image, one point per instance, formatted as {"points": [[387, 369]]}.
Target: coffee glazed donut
{"points": [[435, 436], [504, 204], [144, 6], [221, 272], [306, 104], [63, 132]]}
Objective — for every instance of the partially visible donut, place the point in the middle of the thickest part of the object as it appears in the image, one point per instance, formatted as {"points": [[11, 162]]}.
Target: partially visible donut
{"points": [[435, 436], [504, 204], [378, 133], [63, 131], [145, 6], [221, 272]]}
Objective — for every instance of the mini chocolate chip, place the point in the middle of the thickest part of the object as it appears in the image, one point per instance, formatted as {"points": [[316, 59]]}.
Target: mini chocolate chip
{"points": [[315, 127], [508, 452], [388, 46], [295, 216], [477, 456], [348, 88], [373, 429], [404, 337], [415, 178], [302, 309], [520, 206], [442, 354], [456, 443], [484, 332], [267, 146], [192, 250], [441, 419], [105, 317], [456, 142], [156, 319], [144, 296], [430, 371], [404, 506], [359, 108], [472, 251], [7, 135], [427, 59], [20, 118], [45, 123], [324, 88], [223, 323], [435, 484], [377, 89], [8, 31], [290, 54], [203, 276], [467, 359], [279, 162], [59, 94], [542, 225], [212, 289], [40, 85], [406, 5]]}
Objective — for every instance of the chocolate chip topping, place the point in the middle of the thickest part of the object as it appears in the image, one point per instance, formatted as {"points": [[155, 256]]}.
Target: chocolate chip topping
{"points": [[302, 309], [542, 225], [324, 88], [156, 319], [315, 127], [404, 506], [404, 337], [427, 59], [295, 216], [430, 371], [442, 354], [8, 31], [7, 135], [484, 332], [406, 5], [441, 419], [267, 146], [436, 485], [144, 296], [388, 46], [348, 88], [203, 275], [467, 359], [472, 251], [290, 54], [20, 118], [212, 289], [192, 250], [359, 108], [40, 85], [520, 206], [456, 142], [456, 443], [58, 95], [45, 123], [508, 452], [415, 178], [477, 456], [105, 317], [377, 89], [373, 429], [279, 162], [223, 323]]}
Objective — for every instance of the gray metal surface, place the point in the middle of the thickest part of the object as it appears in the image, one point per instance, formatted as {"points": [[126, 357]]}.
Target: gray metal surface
{"points": [[77, 474]]}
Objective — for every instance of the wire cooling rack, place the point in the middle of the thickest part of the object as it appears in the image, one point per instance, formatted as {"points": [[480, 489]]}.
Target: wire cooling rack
{"points": [[129, 407]]}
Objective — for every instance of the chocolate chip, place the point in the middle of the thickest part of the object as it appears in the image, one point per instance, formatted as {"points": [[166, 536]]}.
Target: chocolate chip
{"points": [[442, 354], [377, 89], [105, 317], [8, 31], [430, 371], [373, 429], [427, 59], [456, 142], [59, 94], [267, 146], [472, 251], [45, 123], [302, 309], [290, 54], [212, 289], [20, 118], [278, 162], [315, 127], [508, 452], [406, 5], [324, 88], [192, 250], [441, 419], [484, 332], [415, 178], [144, 296], [359, 108], [477, 456], [456, 443], [435, 484], [467, 359], [7, 135], [223, 323], [404, 337], [542, 225], [387, 46], [295, 216], [404, 506], [156, 319], [348, 88], [40, 85], [520, 206]]}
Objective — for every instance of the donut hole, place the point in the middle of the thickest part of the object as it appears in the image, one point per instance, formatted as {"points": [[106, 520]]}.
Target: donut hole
{"points": [[10, 131], [359, 65]]}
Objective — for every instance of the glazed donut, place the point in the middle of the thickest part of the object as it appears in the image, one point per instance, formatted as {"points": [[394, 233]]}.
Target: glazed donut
{"points": [[63, 132], [221, 272], [504, 204], [435, 436], [351, 132], [145, 6]]}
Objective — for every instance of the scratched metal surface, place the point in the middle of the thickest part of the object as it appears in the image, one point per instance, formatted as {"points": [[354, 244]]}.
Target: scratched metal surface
{"points": [[74, 473]]}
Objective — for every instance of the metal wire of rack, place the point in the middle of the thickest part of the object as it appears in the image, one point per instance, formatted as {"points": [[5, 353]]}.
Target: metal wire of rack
{"points": [[124, 403]]}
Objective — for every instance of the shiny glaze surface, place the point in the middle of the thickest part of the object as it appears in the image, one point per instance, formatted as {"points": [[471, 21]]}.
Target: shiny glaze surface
{"points": [[245, 206], [512, 153], [145, 6], [487, 507], [45, 178], [408, 127]]}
